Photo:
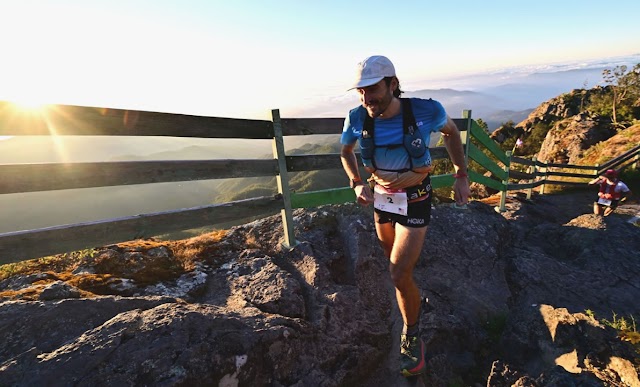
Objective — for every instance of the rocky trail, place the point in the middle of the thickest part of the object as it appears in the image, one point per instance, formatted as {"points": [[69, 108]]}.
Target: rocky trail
{"points": [[511, 301]]}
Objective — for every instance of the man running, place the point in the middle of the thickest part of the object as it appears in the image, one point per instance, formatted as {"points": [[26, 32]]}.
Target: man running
{"points": [[394, 137]]}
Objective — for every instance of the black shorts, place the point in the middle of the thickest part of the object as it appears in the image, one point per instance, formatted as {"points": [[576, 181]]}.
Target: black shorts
{"points": [[418, 212]]}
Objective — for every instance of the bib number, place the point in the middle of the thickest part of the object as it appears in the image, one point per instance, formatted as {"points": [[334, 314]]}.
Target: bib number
{"points": [[394, 201], [604, 202]]}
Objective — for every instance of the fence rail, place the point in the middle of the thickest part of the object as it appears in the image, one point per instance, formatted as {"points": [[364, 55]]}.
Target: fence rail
{"points": [[77, 120]]}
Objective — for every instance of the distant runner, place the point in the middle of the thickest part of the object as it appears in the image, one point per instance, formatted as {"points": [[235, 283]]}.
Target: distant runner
{"points": [[612, 192]]}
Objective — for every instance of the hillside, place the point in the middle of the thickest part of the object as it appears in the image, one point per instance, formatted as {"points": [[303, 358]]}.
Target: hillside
{"points": [[615, 145], [561, 129]]}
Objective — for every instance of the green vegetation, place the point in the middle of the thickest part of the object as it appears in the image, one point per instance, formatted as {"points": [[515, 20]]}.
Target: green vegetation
{"points": [[495, 327], [632, 179], [627, 329], [483, 124], [620, 99], [59, 262], [625, 90], [535, 139]]}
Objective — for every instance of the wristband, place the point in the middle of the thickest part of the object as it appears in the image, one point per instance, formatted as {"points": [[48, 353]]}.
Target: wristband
{"points": [[460, 175], [356, 182]]}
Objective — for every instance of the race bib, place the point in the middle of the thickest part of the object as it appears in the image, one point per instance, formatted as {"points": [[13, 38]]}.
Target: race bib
{"points": [[604, 202], [394, 201]]}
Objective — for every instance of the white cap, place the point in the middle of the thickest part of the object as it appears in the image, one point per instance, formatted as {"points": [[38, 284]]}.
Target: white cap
{"points": [[372, 70]]}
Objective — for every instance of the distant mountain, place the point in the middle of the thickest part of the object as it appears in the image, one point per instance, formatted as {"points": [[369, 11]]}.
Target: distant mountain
{"points": [[455, 101], [44, 209], [41, 149], [495, 119], [482, 105], [492, 108], [489, 95]]}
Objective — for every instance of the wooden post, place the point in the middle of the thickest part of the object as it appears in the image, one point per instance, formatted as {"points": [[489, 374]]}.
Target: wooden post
{"points": [[503, 196], [283, 181], [467, 114], [544, 178], [533, 169]]}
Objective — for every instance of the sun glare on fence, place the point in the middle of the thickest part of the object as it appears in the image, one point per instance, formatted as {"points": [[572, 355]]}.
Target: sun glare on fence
{"points": [[29, 106]]}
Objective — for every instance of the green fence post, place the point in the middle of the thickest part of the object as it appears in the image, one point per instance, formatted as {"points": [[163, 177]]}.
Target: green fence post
{"points": [[503, 196], [283, 181], [533, 169], [467, 138]]}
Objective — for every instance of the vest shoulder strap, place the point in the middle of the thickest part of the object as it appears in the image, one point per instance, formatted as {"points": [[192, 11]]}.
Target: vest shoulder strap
{"points": [[408, 120]]}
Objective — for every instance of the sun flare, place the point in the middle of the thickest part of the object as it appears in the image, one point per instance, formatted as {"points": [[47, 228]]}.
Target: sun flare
{"points": [[28, 105]]}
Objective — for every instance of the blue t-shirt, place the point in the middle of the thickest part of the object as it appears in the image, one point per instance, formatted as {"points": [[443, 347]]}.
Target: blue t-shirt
{"points": [[430, 117]]}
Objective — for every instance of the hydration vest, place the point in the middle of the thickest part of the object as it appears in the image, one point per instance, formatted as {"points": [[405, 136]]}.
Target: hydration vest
{"points": [[412, 139], [608, 191]]}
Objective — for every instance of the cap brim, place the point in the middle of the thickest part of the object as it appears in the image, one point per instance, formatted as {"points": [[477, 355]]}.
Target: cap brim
{"points": [[365, 82]]}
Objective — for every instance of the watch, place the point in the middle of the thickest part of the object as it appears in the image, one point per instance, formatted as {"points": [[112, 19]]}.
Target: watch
{"points": [[356, 182]]}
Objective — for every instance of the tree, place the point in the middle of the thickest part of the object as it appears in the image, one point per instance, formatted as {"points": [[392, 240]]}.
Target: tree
{"points": [[625, 87], [483, 124], [631, 83]]}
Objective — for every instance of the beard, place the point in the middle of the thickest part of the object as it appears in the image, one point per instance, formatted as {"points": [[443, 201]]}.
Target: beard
{"points": [[376, 107]]}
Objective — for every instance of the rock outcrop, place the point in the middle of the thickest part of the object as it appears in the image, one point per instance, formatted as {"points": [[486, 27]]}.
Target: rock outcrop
{"points": [[567, 141], [567, 129], [507, 296], [556, 109]]}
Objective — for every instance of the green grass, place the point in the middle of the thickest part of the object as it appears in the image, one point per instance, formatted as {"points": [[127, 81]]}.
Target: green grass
{"points": [[52, 262], [626, 327]]}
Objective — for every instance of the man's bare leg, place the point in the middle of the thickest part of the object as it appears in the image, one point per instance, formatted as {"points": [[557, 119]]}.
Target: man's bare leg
{"points": [[596, 209], [402, 245], [404, 256], [386, 235]]}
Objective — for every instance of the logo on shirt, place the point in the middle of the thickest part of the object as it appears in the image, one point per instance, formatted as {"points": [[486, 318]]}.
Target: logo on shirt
{"points": [[417, 143]]}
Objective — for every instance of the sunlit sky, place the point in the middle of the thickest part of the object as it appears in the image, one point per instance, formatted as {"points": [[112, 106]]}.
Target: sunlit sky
{"points": [[243, 58]]}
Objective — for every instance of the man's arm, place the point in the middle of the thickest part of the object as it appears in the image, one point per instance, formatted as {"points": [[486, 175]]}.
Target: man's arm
{"points": [[349, 161], [453, 143], [350, 165], [597, 180], [626, 193]]}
